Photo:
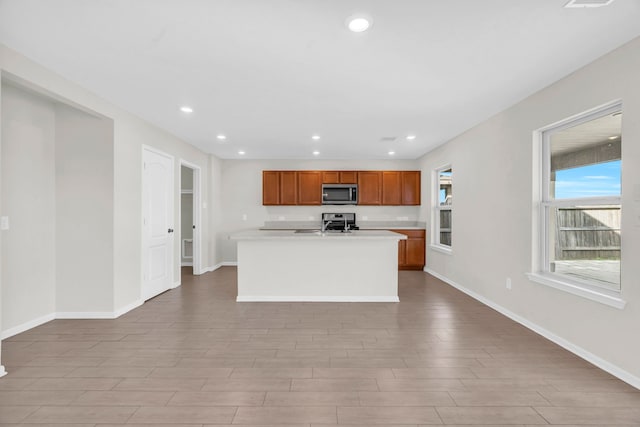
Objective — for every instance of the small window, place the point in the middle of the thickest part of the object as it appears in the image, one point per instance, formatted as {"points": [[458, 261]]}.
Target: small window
{"points": [[581, 204], [443, 207]]}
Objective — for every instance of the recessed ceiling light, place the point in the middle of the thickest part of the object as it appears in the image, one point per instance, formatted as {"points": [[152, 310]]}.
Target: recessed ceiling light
{"points": [[186, 109], [242, 153], [315, 137], [411, 137], [221, 137], [613, 137], [358, 23], [315, 153], [391, 153], [587, 3]]}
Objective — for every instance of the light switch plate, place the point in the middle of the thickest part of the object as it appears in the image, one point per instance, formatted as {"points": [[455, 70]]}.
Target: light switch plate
{"points": [[4, 223]]}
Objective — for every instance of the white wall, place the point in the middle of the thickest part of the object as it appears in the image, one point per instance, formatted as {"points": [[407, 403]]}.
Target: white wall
{"points": [[212, 214], [493, 211], [28, 198], [242, 195], [129, 135], [84, 212], [2, 369], [57, 182]]}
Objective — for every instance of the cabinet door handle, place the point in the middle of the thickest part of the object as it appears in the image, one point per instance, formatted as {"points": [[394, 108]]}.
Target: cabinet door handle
{"points": [[170, 230]]}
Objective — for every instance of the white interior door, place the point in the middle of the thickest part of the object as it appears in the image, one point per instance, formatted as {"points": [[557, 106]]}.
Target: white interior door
{"points": [[157, 234]]}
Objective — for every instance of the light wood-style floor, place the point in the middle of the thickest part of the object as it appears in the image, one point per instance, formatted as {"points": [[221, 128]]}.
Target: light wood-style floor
{"points": [[193, 356]]}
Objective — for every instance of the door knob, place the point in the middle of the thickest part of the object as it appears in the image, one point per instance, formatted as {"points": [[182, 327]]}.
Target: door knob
{"points": [[170, 230]]}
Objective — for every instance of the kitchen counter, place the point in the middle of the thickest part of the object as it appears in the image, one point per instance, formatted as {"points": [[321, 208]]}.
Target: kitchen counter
{"points": [[292, 235], [364, 225], [281, 265]]}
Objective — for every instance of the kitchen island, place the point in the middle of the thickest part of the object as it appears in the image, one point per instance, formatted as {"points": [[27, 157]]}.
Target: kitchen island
{"points": [[284, 265]]}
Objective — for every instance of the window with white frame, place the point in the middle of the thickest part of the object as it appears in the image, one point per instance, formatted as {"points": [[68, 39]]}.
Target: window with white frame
{"points": [[580, 201], [443, 203]]}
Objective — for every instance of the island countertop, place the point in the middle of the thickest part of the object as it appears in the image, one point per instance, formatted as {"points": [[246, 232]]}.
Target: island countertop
{"points": [[282, 265], [307, 235]]}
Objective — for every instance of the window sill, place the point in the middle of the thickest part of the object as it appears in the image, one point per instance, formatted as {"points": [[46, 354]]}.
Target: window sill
{"points": [[611, 299], [441, 248]]}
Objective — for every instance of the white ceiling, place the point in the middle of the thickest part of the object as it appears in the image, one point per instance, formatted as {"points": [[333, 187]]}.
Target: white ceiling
{"points": [[271, 73]]}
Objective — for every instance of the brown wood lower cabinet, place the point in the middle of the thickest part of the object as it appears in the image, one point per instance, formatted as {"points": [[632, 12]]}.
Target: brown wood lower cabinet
{"points": [[411, 252]]}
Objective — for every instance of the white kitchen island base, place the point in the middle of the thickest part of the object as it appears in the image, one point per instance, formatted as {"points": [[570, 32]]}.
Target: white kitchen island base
{"points": [[282, 266]]}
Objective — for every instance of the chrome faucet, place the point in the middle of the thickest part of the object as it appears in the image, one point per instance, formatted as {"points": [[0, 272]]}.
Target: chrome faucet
{"points": [[324, 225]]}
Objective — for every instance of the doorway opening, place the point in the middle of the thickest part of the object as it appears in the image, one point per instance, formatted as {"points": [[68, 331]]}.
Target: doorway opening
{"points": [[190, 218]]}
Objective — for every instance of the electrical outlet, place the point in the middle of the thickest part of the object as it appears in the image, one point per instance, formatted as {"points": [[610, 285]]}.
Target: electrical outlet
{"points": [[365, 218], [4, 223], [280, 218], [244, 217], [509, 283]]}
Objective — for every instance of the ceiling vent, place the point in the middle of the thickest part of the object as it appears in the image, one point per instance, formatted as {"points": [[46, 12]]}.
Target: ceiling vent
{"points": [[388, 139], [587, 3]]}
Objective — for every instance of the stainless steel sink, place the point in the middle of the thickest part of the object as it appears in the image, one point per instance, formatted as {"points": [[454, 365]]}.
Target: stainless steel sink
{"points": [[320, 232]]}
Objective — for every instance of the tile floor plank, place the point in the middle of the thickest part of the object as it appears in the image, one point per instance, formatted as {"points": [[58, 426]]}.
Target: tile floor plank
{"points": [[285, 415], [81, 414], [372, 415], [183, 414], [193, 357]]}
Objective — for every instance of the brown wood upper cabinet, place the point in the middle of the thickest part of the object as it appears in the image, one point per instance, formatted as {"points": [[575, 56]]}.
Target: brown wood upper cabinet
{"points": [[410, 185], [391, 188], [279, 188], [288, 188], [370, 188], [374, 187], [339, 177], [309, 187], [401, 188], [270, 188]]}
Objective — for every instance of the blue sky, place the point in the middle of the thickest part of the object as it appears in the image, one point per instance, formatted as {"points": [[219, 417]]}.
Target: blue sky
{"points": [[598, 180]]}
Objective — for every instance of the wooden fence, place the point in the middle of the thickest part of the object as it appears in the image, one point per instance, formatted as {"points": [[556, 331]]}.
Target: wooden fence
{"points": [[591, 233]]}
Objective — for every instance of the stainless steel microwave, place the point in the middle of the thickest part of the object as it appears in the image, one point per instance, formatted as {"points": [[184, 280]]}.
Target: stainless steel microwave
{"points": [[339, 194]]}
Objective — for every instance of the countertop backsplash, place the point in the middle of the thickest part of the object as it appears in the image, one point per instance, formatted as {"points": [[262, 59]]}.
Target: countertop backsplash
{"points": [[364, 225]]}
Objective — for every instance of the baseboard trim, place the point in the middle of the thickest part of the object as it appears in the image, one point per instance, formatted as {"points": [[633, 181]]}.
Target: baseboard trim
{"points": [[176, 284], [85, 315], [269, 298], [27, 325], [3, 372], [127, 308], [186, 264], [69, 315], [601, 363], [218, 265]]}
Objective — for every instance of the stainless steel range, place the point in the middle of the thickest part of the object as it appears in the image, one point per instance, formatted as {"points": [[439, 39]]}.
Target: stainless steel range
{"points": [[344, 222]]}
